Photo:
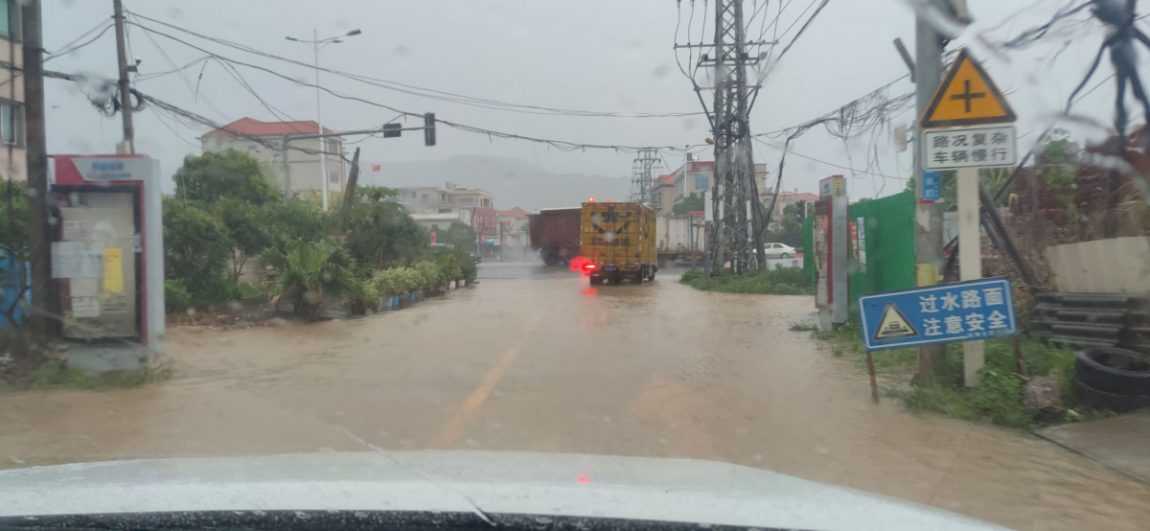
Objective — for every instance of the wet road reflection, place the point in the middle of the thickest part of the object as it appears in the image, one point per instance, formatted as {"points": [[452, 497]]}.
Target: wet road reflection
{"points": [[538, 360]]}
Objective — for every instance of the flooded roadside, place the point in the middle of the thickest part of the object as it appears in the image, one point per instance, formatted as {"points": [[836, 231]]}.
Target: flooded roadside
{"points": [[539, 362]]}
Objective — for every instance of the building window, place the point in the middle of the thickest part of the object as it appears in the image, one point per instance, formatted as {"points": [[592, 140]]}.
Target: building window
{"points": [[11, 123], [10, 19], [701, 182]]}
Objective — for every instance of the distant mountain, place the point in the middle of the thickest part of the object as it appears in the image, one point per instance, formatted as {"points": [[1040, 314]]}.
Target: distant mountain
{"points": [[512, 182]]}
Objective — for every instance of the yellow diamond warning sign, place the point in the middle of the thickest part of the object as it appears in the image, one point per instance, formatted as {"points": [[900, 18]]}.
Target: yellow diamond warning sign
{"points": [[893, 324], [967, 96]]}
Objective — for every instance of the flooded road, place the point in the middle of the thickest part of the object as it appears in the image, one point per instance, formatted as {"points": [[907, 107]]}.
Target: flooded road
{"points": [[539, 361]]}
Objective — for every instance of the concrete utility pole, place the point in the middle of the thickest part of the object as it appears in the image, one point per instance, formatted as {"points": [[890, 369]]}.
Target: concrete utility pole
{"points": [[736, 236], [316, 43], [928, 215], [44, 304], [641, 175], [129, 145]]}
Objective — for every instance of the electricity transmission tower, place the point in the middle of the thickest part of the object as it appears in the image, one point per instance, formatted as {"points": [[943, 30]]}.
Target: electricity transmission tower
{"points": [[735, 235], [641, 175]]}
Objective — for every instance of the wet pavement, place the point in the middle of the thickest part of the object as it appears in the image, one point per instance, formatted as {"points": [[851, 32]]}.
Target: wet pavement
{"points": [[538, 360]]}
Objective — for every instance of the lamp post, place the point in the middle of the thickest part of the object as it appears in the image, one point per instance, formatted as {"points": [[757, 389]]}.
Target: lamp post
{"points": [[316, 43]]}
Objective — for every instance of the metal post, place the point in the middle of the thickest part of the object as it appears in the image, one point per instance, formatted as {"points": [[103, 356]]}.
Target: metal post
{"points": [[928, 216], [286, 166], [44, 303], [970, 261], [319, 119], [129, 145]]}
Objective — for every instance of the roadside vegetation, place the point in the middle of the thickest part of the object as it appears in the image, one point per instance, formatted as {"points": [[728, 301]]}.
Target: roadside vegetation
{"points": [[231, 238], [781, 281], [1000, 396]]}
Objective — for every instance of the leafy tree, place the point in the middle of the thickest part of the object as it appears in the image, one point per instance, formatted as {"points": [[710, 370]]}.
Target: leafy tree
{"points": [[230, 174], [687, 204], [287, 221], [248, 229], [14, 218], [379, 232], [790, 226], [1057, 165], [459, 236], [196, 251]]}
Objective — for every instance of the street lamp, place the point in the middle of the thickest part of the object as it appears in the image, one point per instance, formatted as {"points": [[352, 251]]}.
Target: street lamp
{"points": [[316, 42]]}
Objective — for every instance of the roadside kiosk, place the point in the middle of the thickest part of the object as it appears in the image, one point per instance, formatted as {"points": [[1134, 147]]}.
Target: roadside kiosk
{"points": [[108, 257]]}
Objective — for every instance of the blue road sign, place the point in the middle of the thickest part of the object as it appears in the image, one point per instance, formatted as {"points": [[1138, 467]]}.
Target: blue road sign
{"points": [[961, 311], [931, 186]]}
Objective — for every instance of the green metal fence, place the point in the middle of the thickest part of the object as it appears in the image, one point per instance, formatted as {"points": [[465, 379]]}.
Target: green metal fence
{"points": [[884, 258]]}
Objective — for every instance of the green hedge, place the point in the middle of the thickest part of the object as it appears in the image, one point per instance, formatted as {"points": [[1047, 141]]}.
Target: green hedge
{"points": [[781, 281]]}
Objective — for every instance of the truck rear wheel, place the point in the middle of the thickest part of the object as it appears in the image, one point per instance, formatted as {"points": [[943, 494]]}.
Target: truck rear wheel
{"points": [[596, 280]]}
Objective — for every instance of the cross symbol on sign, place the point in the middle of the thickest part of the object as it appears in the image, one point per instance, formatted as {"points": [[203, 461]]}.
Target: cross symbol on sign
{"points": [[967, 96]]}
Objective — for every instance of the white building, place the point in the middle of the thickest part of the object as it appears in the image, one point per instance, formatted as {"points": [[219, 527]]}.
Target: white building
{"points": [[13, 158], [449, 198], [264, 141]]}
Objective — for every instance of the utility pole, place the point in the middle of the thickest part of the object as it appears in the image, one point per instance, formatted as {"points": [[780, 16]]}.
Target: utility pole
{"points": [[928, 214], [129, 144], [736, 234], [44, 303], [642, 178]]}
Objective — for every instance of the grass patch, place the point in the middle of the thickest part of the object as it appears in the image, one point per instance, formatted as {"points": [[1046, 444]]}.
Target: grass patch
{"points": [[55, 374], [997, 399], [781, 281]]}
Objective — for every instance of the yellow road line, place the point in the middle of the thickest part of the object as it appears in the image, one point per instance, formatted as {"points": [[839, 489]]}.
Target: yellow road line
{"points": [[453, 429]]}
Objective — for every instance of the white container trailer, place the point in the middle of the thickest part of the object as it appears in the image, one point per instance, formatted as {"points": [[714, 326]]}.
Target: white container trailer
{"points": [[679, 237]]}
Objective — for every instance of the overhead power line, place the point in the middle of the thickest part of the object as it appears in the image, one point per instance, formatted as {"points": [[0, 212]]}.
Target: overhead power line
{"points": [[491, 133], [416, 90], [828, 163]]}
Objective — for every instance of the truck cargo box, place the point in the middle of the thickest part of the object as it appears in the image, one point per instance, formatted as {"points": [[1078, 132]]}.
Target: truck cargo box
{"points": [[618, 242], [554, 233]]}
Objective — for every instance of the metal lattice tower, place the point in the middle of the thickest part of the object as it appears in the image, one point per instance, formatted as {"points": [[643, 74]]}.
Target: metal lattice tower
{"points": [[736, 234], [642, 179]]}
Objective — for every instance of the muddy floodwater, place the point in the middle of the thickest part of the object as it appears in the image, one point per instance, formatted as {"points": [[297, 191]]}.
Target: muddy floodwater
{"points": [[537, 360]]}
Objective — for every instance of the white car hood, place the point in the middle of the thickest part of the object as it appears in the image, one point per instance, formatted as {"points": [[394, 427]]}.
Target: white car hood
{"points": [[491, 483]]}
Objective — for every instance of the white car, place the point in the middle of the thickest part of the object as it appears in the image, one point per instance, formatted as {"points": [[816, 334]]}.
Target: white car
{"points": [[778, 250]]}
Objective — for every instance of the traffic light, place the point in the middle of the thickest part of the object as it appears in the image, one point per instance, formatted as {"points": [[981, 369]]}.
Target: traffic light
{"points": [[429, 129], [392, 130]]}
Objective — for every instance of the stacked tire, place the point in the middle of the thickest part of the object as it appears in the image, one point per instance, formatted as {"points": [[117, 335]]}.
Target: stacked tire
{"points": [[1113, 378]]}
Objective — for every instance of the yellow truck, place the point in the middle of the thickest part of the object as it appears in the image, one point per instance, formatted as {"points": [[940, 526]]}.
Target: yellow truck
{"points": [[617, 242]]}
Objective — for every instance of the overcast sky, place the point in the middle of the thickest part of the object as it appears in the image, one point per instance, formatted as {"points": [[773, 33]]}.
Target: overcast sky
{"points": [[608, 55]]}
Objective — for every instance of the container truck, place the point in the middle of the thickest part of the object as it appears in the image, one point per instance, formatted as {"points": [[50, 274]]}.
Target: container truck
{"points": [[680, 239], [555, 234], [618, 242]]}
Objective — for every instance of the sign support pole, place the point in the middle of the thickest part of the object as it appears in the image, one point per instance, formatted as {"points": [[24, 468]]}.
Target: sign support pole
{"points": [[970, 260]]}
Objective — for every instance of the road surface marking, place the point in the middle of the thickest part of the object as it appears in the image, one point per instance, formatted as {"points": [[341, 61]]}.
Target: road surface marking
{"points": [[453, 429]]}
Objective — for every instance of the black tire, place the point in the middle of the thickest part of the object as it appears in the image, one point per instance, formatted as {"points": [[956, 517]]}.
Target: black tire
{"points": [[1103, 400], [595, 281], [1114, 370]]}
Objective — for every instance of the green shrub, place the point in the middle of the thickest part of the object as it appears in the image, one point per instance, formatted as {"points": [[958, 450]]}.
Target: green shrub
{"points": [[386, 282], [196, 252], [431, 276], [780, 281], [362, 296], [309, 271], [176, 296]]}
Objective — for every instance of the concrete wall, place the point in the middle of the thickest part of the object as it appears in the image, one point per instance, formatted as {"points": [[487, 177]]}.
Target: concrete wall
{"points": [[1115, 265]]}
